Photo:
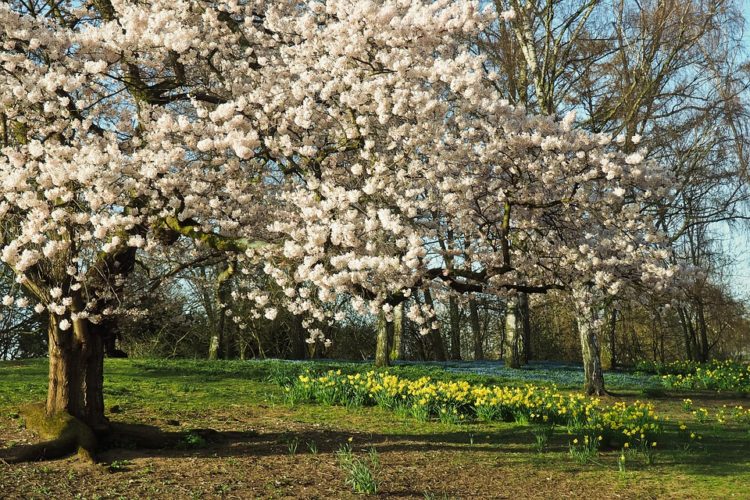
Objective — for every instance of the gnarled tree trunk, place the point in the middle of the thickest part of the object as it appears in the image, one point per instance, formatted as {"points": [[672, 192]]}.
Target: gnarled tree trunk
{"points": [[76, 371]]}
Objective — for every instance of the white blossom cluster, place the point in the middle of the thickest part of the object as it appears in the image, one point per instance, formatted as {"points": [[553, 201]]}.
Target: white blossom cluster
{"points": [[350, 147]]}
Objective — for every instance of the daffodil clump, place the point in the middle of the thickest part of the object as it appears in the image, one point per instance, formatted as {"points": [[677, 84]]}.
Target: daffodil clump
{"points": [[455, 401], [718, 375], [737, 414], [672, 368]]}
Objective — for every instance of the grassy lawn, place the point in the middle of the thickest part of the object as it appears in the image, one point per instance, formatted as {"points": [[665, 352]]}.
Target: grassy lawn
{"points": [[240, 439]]}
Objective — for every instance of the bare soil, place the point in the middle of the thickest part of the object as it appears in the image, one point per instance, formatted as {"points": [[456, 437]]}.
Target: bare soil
{"points": [[252, 454]]}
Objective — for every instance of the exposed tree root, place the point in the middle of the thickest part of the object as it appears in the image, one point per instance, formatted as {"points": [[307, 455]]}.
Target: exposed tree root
{"points": [[64, 435], [597, 392]]}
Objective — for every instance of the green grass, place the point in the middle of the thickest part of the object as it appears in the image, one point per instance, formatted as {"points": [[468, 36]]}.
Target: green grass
{"points": [[194, 392]]}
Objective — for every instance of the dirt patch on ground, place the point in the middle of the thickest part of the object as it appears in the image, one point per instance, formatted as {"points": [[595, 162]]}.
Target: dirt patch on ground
{"points": [[263, 453]]}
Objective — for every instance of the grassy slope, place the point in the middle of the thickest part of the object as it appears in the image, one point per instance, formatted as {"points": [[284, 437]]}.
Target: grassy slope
{"points": [[253, 454]]}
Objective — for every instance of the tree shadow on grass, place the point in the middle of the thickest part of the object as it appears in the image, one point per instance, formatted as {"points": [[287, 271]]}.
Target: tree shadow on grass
{"points": [[723, 456], [720, 456], [135, 440]]}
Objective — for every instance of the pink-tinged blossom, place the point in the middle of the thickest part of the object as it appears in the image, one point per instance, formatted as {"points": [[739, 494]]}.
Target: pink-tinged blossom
{"points": [[347, 139]]}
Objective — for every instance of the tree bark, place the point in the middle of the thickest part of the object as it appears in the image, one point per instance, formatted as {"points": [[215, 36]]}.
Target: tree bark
{"points": [[382, 346], [703, 330], [225, 330], [436, 339], [593, 382], [612, 338], [685, 332], [298, 346], [525, 318], [76, 372], [455, 319], [399, 326], [476, 330], [512, 341]]}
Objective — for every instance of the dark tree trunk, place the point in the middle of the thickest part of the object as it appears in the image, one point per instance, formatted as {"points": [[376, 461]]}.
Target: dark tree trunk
{"points": [[524, 313], [703, 330], [455, 319], [436, 339], [298, 346], [418, 341], [476, 330], [502, 323], [76, 372], [612, 339]]}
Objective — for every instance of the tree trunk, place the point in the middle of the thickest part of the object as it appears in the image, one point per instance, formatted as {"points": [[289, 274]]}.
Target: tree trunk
{"points": [[418, 340], [399, 326], [382, 347], [612, 339], [512, 341], [213, 347], [455, 319], [476, 330], [221, 342], [226, 336], [436, 339], [703, 330], [685, 332], [525, 319], [593, 383], [503, 327], [76, 372], [298, 346]]}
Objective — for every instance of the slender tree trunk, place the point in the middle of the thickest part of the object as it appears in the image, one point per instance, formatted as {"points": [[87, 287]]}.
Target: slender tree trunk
{"points": [[219, 348], [512, 335], [298, 346], [220, 341], [436, 339], [455, 319], [592, 365], [76, 372], [703, 330], [476, 330], [225, 327], [612, 339], [524, 313], [685, 332], [399, 325], [382, 346], [503, 328], [419, 342]]}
